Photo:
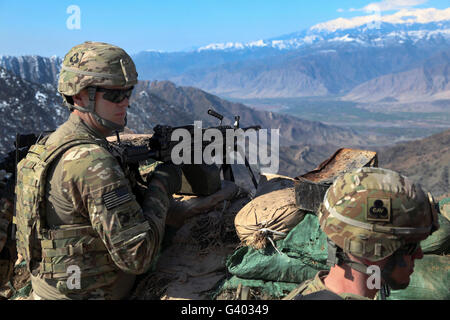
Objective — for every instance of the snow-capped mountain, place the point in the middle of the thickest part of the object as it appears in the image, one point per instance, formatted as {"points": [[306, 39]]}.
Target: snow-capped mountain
{"points": [[405, 26], [330, 58]]}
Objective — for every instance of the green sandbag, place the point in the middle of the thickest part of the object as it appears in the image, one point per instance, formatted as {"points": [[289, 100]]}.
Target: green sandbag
{"points": [[430, 280], [439, 241], [304, 253]]}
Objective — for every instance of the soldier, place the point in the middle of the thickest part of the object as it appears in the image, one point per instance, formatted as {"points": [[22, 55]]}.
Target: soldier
{"points": [[80, 228], [374, 218]]}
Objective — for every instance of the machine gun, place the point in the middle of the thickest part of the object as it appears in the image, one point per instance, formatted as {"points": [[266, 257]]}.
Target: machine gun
{"points": [[160, 146]]}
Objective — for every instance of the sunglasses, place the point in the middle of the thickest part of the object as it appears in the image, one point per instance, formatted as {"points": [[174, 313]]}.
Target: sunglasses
{"points": [[410, 248], [115, 95]]}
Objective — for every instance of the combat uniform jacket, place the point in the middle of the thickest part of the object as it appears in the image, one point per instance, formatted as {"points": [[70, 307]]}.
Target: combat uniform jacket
{"points": [[87, 191], [316, 285]]}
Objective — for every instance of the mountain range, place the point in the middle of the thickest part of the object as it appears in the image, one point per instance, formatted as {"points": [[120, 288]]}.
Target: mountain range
{"points": [[328, 59], [391, 58]]}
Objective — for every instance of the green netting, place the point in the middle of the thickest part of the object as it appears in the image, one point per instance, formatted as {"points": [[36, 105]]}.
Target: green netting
{"points": [[439, 241], [430, 280], [303, 253]]}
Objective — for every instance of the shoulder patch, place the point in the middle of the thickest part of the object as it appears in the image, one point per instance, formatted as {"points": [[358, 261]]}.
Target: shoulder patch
{"points": [[116, 197]]}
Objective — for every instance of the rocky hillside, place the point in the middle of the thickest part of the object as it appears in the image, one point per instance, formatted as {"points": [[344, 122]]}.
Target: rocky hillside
{"points": [[194, 104], [35, 69], [426, 161], [26, 107], [314, 72], [430, 81], [297, 160]]}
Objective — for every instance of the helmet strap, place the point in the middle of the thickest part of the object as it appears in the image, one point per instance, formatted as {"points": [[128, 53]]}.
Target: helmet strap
{"points": [[91, 94], [91, 108], [385, 291]]}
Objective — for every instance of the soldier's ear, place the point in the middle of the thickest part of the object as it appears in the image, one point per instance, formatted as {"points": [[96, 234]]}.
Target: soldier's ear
{"points": [[80, 99]]}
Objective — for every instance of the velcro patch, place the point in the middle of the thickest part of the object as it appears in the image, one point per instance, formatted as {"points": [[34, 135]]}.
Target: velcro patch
{"points": [[116, 197], [378, 209]]}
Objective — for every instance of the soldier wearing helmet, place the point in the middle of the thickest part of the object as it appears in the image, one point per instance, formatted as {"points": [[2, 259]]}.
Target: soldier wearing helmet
{"points": [[375, 218], [79, 226]]}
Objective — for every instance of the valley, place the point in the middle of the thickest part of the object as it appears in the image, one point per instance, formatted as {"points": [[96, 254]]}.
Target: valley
{"points": [[386, 122]]}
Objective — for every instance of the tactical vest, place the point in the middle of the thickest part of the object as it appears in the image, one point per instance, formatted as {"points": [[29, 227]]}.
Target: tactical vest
{"points": [[50, 252]]}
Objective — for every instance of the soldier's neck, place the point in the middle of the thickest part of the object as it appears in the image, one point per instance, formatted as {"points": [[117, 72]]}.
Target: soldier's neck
{"points": [[343, 279], [90, 121]]}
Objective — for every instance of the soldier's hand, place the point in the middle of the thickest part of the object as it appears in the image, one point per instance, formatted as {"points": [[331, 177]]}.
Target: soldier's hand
{"points": [[169, 175]]}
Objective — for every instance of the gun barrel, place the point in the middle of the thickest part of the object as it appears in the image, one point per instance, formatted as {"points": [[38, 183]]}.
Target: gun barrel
{"points": [[215, 114]]}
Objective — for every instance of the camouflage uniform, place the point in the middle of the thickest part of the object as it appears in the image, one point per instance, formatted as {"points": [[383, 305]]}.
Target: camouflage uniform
{"points": [[315, 285], [372, 213], [76, 207]]}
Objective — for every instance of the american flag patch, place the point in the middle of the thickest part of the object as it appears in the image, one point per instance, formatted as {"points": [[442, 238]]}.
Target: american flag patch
{"points": [[116, 197]]}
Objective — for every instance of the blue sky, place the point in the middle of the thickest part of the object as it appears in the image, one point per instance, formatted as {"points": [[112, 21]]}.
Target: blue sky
{"points": [[29, 27]]}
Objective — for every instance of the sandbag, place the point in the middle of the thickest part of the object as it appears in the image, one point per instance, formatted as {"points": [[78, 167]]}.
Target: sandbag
{"points": [[430, 280], [299, 257], [268, 217]]}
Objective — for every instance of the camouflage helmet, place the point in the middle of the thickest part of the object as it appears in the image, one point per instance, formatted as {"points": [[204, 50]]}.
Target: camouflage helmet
{"points": [[93, 64], [372, 212]]}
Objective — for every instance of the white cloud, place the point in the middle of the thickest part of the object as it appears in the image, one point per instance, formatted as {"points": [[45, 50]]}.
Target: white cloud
{"points": [[388, 5]]}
